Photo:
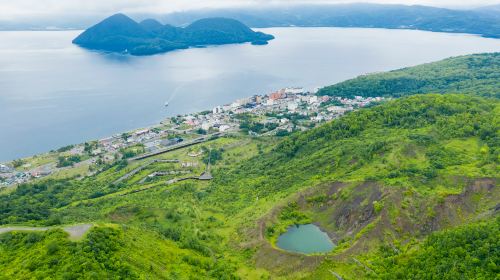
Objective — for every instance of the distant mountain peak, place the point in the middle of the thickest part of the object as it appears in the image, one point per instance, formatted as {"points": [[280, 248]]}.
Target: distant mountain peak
{"points": [[117, 19], [115, 25], [118, 16]]}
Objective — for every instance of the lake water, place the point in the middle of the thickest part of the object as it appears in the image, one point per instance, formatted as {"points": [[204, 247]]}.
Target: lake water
{"points": [[53, 93], [305, 239]]}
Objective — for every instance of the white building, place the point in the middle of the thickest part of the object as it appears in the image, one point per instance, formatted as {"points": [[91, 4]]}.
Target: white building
{"points": [[141, 132], [78, 150], [106, 141], [4, 168], [294, 90], [150, 146], [244, 101], [336, 109], [235, 105], [218, 110], [224, 127], [304, 98], [96, 152], [292, 106], [319, 118], [206, 126], [313, 99], [189, 118]]}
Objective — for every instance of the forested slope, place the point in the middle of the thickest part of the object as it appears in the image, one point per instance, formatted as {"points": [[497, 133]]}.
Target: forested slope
{"points": [[467, 252], [119, 33], [472, 74]]}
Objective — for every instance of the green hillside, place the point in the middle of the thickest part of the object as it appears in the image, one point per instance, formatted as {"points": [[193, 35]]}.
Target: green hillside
{"points": [[468, 252], [472, 74], [119, 33], [406, 190]]}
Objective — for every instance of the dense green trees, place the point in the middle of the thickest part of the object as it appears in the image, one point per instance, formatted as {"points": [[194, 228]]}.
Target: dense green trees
{"points": [[473, 74], [119, 33], [52, 255], [132, 151], [37, 202], [63, 161], [468, 252], [212, 155]]}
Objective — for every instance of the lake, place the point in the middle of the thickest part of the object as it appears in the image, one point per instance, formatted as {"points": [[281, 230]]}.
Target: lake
{"points": [[53, 93], [305, 239]]}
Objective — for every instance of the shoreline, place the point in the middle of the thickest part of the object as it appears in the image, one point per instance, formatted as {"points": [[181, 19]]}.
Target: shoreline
{"points": [[277, 113]]}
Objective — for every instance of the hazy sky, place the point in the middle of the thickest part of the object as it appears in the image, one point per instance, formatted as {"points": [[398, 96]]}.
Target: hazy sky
{"points": [[17, 9]]}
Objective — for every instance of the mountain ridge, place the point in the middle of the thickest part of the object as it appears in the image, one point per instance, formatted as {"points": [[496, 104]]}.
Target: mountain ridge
{"points": [[365, 15], [483, 21]]}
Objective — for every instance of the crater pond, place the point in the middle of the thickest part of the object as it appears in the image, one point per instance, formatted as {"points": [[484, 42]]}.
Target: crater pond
{"points": [[53, 93], [305, 239]]}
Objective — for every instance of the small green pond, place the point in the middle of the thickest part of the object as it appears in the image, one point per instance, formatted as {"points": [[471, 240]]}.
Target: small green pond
{"points": [[305, 239]]}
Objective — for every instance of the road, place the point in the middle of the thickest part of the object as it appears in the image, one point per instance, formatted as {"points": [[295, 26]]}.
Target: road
{"points": [[178, 146], [74, 231]]}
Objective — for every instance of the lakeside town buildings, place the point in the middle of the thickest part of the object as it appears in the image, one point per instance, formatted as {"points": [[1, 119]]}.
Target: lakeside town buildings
{"points": [[288, 109]]}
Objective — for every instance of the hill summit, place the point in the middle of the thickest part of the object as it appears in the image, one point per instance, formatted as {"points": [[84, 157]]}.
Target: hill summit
{"points": [[119, 33]]}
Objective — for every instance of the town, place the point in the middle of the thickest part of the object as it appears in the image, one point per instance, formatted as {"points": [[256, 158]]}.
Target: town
{"points": [[275, 114]]}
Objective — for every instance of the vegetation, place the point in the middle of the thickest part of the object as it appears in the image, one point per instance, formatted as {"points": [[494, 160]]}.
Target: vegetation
{"points": [[468, 252], [289, 215], [249, 124], [471, 74], [65, 148], [120, 33], [105, 253], [132, 151], [212, 155], [423, 147], [18, 163], [68, 161], [53, 254], [408, 189]]}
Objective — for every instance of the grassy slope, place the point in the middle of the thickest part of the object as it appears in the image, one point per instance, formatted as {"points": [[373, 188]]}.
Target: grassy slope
{"points": [[384, 177], [398, 149], [473, 74], [402, 171]]}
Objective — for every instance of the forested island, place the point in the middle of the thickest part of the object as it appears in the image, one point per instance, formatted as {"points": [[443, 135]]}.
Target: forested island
{"points": [[405, 189], [119, 33]]}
